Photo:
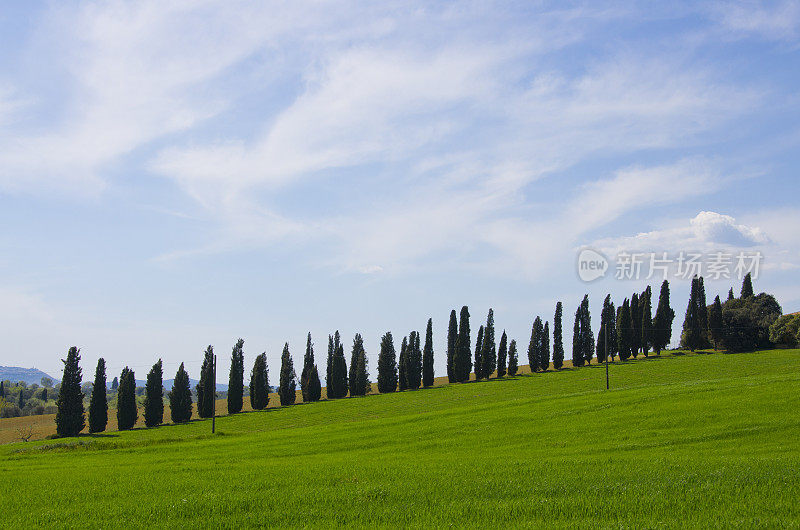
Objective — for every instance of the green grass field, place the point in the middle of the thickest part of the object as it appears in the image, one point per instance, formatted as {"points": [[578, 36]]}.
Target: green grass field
{"points": [[694, 440]]}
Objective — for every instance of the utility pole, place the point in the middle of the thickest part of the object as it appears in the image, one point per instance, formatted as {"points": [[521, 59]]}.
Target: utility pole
{"points": [[605, 341], [214, 398]]}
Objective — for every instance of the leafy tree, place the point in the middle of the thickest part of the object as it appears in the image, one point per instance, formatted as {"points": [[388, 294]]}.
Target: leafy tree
{"points": [[180, 397], [783, 331], [259, 383], [645, 303], [513, 362], [359, 378], [414, 356], [309, 377], [624, 331], [691, 338], [337, 384], [502, 355], [747, 286], [489, 347], [127, 412], [403, 365], [98, 405], [206, 391], [715, 331], [535, 345], [46, 382], [662, 323], [452, 339], [730, 295], [558, 339], [462, 363], [236, 379], [287, 391], [70, 418], [478, 353], [387, 365], [746, 322], [427, 356], [154, 396], [115, 383]]}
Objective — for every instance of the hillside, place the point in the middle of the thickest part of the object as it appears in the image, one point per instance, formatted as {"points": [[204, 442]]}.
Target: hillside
{"points": [[694, 440], [29, 375]]}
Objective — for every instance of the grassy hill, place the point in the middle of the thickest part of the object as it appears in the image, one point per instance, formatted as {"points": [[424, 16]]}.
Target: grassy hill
{"points": [[695, 440]]}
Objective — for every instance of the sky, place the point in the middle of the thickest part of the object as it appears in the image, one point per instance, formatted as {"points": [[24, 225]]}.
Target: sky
{"points": [[179, 174]]}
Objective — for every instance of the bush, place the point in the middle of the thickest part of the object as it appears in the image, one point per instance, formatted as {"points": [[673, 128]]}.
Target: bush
{"points": [[746, 322], [785, 330]]}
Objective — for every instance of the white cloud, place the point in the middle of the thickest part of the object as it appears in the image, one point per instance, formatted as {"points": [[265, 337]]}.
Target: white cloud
{"points": [[779, 20]]}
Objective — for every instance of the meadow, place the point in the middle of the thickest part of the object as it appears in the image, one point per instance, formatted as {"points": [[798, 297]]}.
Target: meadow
{"points": [[700, 440]]}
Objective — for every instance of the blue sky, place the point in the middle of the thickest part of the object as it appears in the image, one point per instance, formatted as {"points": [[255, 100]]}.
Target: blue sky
{"points": [[177, 174]]}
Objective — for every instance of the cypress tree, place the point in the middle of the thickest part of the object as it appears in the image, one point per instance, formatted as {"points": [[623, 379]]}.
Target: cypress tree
{"points": [[387, 365], [414, 368], [427, 356], [747, 286], [331, 392], [351, 374], [2, 390], [587, 338], [259, 383], [478, 364], [624, 331], [730, 295], [636, 321], [577, 349], [489, 348], [314, 385], [338, 385], [691, 338], [544, 353], [513, 362], [535, 345], [715, 328], [463, 358], [359, 378], [70, 419], [236, 379], [98, 406], [607, 345], [502, 355], [403, 365], [206, 393], [702, 313], [287, 391], [306, 379], [154, 396], [645, 301], [180, 397], [662, 323], [452, 338], [115, 383], [558, 339], [127, 411], [21, 397]]}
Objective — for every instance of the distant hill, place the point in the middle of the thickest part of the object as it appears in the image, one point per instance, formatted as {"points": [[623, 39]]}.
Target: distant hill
{"points": [[29, 375], [168, 384]]}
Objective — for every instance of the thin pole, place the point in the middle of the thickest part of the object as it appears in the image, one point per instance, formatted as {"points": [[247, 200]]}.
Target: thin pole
{"points": [[605, 340], [214, 398]]}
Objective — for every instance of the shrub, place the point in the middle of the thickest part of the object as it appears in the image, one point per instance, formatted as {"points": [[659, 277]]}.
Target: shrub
{"points": [[784, 330]]}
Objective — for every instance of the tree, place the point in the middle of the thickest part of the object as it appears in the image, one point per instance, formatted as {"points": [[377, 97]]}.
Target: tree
{"points": [[691, 337], [783, 331], [115, 383], [452, 339], [645, 304], [702, 313], [127, 412], [558, 339], [236, 378], [337, 382], [513, 362], [715, 331], [2, 390], [427, 356], [70, 418], [403, 365], [180, 397], [46, 382], [635, 324], [478, 364], [462, 363], [154, 396], [730, 295], [359, 377], [329, 369], [544, 353], [502, 355], [662, 323], [577, 350], [587, 337], [259, 383], [489, 347], [310, 385], [624, 331], [287, 391], [535, 345], [747, 286], [746, 322], [414, 357], [98, 405], [387, 365], [206, 393], [607, 335]]}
